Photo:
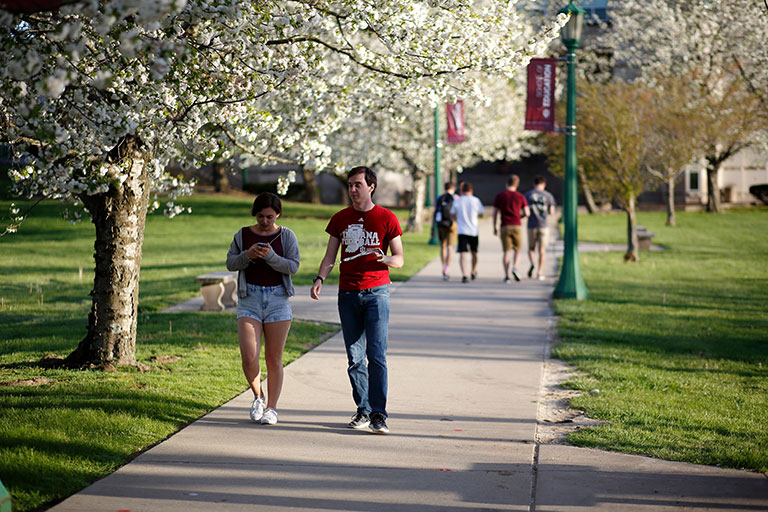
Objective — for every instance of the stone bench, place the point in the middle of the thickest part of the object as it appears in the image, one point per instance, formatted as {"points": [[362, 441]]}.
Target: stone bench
{"points": [[219, 290], [644, 238]]}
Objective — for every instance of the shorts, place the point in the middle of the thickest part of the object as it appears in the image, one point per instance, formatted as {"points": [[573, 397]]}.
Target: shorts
{"points": [[450, 234], [265, 304], [468, 243], [538, 237], [511, 237]]}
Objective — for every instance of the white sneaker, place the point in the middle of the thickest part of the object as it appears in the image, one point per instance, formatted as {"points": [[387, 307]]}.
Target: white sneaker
{"points": [[257, 409], [269, 417], [542, 277]]}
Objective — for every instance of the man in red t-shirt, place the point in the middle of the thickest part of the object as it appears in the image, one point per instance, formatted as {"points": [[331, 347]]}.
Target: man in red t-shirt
{"points": [[509, 205], [365, 232]]}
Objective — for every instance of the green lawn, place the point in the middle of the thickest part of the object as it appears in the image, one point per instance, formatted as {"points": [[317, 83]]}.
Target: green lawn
{"points": [[677, 344], [63, 429]]}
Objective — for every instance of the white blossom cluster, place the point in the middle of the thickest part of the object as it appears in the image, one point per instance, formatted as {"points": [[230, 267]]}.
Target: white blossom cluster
{"points": [[283, 182], [185, 79]]}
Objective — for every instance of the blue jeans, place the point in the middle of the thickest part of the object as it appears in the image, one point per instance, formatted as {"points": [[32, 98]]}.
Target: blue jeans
{"points": [[364, 318]]}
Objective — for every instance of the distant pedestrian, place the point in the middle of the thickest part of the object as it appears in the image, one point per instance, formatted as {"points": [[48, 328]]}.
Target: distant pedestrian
{"points": [[447, 228], [265, 256], [510, 205], [466, 211], [365, 232], [542, 205]]}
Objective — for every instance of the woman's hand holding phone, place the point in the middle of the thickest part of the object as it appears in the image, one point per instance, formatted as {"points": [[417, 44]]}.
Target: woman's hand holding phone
{"points": [[258, 250]]}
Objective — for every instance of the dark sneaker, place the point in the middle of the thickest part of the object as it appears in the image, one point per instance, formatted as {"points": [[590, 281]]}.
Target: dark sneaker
{"points": [[379, 424], [359, 420], [474, 275], [515, 275], [506, 280], [464, 279], [530, 271]]}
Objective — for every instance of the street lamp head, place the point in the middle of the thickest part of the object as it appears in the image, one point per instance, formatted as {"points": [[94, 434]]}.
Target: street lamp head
{"points": [[571, 33]]}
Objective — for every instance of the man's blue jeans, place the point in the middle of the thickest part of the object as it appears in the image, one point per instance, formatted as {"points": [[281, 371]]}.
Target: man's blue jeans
{"points": [[364, 318]]}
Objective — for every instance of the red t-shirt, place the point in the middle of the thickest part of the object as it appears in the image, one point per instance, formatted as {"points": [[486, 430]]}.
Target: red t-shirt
{"points": [[258, 271], [509, 203], [360, 232]]}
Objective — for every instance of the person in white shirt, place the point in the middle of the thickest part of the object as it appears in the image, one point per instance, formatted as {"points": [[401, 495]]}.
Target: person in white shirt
{"points": [[466, 210]]}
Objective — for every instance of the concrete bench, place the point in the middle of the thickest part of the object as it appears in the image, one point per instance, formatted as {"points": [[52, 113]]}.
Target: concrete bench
{"points": [[644, 238], [219, 290]]}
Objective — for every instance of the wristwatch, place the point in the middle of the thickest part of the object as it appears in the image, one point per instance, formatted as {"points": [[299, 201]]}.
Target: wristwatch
{"points": [[318, 277]]}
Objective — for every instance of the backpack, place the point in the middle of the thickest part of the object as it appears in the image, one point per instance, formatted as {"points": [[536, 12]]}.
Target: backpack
{"points": [[443, 211]]}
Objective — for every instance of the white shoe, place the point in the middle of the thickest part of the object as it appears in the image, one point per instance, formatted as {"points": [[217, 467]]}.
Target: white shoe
{"points": [[257, 409], [269, 417], [542, 277]]}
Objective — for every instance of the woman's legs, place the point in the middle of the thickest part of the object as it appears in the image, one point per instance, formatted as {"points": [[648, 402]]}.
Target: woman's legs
{"points": [[249, 335], [275, 334]]}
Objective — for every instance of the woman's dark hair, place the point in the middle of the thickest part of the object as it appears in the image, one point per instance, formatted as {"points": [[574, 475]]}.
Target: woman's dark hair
{"points": [[370, 176], [266, 200]]}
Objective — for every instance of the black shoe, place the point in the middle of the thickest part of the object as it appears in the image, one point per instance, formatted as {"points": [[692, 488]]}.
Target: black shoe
{"points": [[530, 271], [379, 424], [464, 279], [474, 275], [514, 274], [359, 420]]}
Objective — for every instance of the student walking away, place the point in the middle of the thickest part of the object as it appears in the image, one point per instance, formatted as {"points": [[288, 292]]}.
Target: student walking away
{"points": [[510, 205], [365, 232], [447, 229], [466, 211], [542, 205], [265, 256]]}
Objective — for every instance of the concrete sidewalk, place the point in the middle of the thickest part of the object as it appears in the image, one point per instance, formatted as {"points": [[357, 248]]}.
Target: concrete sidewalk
{"points": [[465, 364]]}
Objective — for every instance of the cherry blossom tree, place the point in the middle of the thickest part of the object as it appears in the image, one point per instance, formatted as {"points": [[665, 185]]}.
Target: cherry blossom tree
{"points": [[721, 42], [97, 97], [402, 138]]}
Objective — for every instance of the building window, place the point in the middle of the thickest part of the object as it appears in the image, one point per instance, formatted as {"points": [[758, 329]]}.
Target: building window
{"points": [[693, 181]]}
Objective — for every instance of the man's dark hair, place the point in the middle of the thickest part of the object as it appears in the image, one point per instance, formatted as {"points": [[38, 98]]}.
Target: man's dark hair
{"points": [[466, 187], [370, 176], [448, 185], [266, 200], [513, 180], [539, 179]]}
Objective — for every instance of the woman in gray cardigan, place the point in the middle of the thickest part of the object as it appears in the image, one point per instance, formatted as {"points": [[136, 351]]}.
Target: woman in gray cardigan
{"points": [[265, 256]]}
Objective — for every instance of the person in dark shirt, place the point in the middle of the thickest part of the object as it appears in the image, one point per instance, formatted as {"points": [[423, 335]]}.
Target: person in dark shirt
{"points": [[265, 256], [510, 205]]}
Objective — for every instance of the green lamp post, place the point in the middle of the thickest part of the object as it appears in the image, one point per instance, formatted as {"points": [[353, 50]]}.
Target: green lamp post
{"points": [[436, 179], [571, 285]]}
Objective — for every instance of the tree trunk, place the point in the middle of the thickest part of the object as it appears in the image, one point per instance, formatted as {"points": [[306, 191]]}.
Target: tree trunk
{"points": [[416, 218], [671, 202], [221, 177], [633, 243], [119, 216], [310, 186], [713, 189], [588, 197]]}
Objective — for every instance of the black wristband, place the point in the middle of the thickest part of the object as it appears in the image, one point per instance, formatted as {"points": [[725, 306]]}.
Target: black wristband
{"points": [[318, 277]]}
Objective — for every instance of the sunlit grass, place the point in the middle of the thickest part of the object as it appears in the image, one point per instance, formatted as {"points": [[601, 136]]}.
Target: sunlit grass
{"points": [[677, 345]]}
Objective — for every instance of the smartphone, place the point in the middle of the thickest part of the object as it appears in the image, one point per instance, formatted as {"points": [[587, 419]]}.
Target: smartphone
{"points": [[262, 244]]}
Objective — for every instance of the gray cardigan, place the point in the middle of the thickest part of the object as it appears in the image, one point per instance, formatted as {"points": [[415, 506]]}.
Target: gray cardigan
{"points": [[237, 259]]}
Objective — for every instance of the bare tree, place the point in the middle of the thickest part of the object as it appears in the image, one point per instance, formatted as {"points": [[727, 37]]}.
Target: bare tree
{"points": [[613, 126]]}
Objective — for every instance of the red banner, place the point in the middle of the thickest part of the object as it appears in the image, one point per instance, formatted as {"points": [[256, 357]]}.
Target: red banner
{"points": [[455, 126], [540, 105]]}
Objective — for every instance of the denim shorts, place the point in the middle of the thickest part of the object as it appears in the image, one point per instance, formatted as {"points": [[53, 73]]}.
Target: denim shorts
{"points": [[266, 304]]}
